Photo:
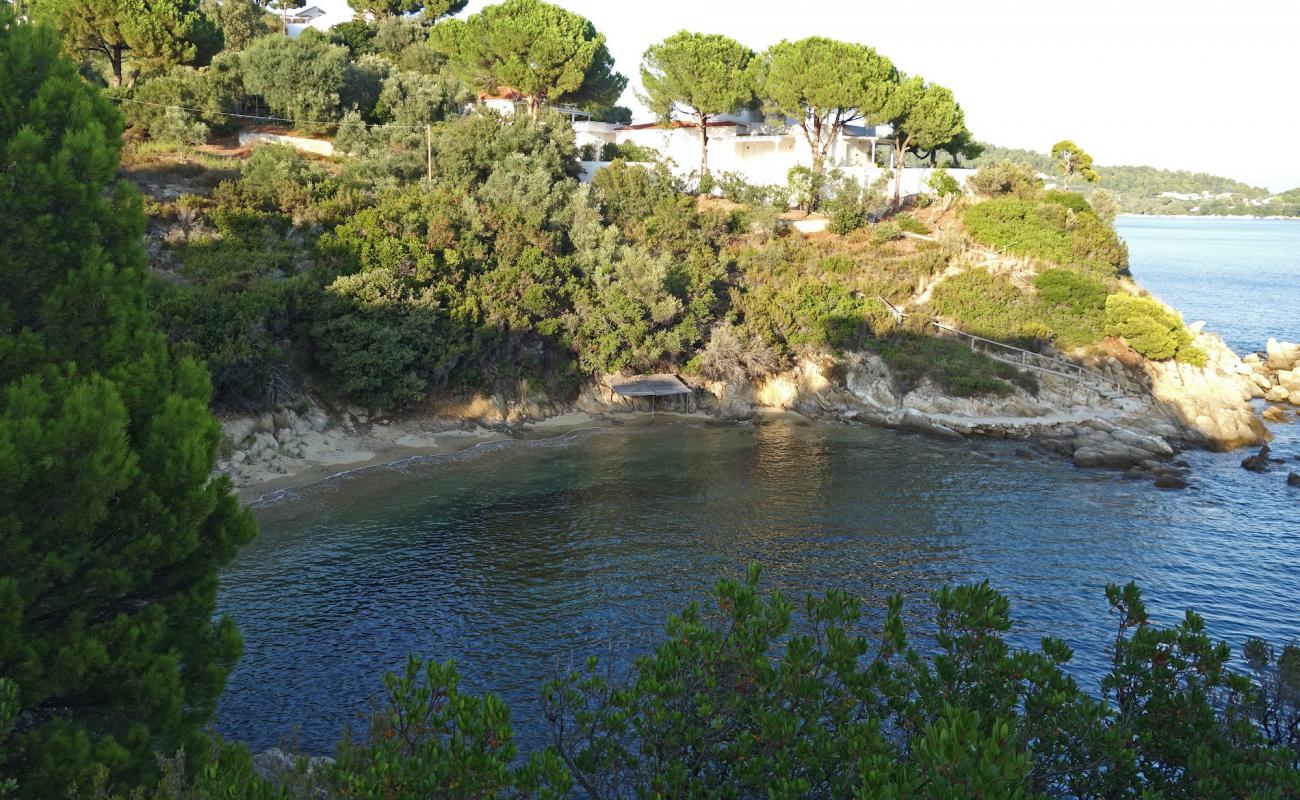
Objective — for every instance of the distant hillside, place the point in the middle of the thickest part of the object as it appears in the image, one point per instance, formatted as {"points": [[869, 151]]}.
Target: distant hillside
{"points": [[1142, 190]]}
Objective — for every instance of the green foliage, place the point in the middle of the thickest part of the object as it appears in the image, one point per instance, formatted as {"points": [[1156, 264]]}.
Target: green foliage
{"points": [[240, 21], [628, 151], [827, 84], [1071, 162], [1072, 306], [1050, 231], [910, 224], [112, 529], [952, 365], [765, 696], [427, 737], [303, 79], [547, 54], [389, 8], [847, 209], [943, 184], [700, 74], [989, 305], [1071, 200], [999, 178], [1150, 328], [136, 39], [1139, 189], [887, 231], [925, 117], [211, 91]]}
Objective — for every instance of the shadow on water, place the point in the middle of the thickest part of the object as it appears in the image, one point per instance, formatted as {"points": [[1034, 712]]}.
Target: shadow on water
{"points": [[517, 557]]}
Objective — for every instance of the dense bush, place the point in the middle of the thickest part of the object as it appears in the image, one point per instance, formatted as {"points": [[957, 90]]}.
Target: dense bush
{"points": [[1007, 178], [943, 184], [302, 79], [951, 364], [753, 695], [1071, 200], [1072, 305], [159, 110], [989, 305], [628, 151], [1150, 328], [1050, 231]]}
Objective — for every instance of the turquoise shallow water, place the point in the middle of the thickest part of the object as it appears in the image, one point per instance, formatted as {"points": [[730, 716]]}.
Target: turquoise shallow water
{"points": [[518, 559]]}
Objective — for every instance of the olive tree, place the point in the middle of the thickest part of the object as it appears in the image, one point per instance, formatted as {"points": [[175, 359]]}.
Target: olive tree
{"points": [[700, 75]]}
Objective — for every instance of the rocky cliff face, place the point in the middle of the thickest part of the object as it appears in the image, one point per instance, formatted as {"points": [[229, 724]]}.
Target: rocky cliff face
{"points": [[1212, 402]]}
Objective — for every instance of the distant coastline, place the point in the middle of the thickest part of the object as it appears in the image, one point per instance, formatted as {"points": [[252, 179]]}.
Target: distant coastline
{"points": [[1207, 216]]}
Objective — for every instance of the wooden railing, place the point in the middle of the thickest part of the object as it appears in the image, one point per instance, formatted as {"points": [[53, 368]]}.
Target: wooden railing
{"points": [[1022, 358]]}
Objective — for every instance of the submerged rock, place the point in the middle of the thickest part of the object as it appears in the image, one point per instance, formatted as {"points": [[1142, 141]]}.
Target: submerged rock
{"points": [[1293, 479], [1170, 481], [1258, 462]]}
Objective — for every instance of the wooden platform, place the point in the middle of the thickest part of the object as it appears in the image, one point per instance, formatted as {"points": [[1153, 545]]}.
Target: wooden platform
{"points": [[647, 386]]}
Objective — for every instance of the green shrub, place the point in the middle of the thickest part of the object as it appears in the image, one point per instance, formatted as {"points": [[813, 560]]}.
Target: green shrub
{"points": [[910, 224], [1007, 178], [951, 364], [1050, 231], [735, 188], [1073, 306], [988, 305], [887, 231], [1150, 328], [1071, 200], [943, 184], [628, 151], [847, 216]]}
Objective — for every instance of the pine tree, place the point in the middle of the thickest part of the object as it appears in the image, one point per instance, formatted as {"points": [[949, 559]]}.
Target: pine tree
{"points": [[112, 530]]}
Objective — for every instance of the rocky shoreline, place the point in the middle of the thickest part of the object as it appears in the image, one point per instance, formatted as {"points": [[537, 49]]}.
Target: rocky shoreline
{"points": [[1136, 417]]}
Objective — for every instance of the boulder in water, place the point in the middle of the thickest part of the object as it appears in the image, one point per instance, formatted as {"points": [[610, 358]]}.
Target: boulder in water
{"points": [[1257, 462], [1293, 479], [1169, 480], [1275, 414], [1282, 355]]}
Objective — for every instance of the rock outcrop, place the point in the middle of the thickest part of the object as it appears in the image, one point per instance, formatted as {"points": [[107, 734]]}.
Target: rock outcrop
{"points": [[1275, 375], [1212, 402]]}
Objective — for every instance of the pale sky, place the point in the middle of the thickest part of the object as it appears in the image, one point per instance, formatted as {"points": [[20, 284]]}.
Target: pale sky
{"points": [[1179, 84]]}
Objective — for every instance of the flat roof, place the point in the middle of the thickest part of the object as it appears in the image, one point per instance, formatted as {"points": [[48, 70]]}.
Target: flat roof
{"points": [[662, 385]]}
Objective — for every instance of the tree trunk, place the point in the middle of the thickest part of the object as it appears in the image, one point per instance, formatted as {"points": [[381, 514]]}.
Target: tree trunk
{"points": [[115, 59], [704, 148], [535, 107]]}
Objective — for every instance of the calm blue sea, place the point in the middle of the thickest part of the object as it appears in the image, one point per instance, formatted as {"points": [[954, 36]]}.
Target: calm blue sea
{"points": [[1242, 276], [522, 558]]}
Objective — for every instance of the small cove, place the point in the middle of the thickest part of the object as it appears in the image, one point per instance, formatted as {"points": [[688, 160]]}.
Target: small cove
{"points": [[518, 558]]}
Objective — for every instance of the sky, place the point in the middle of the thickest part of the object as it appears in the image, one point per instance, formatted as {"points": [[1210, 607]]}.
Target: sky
{"points": [[1178, 84]]}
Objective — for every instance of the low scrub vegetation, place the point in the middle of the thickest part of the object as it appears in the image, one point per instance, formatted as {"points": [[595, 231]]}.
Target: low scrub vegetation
{"points": [[1049, 231], [1152, 329]]}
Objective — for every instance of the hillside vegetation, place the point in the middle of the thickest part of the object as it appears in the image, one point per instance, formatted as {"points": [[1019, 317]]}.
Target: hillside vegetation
{"points": [[1139, 189]]}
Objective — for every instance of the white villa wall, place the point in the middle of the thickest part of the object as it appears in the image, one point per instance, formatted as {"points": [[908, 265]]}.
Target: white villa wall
{"points": [[763, 160], [320, 147]]}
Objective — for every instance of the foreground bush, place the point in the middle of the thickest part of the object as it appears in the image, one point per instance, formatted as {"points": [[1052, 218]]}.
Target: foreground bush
{"points": [[751, 696]]}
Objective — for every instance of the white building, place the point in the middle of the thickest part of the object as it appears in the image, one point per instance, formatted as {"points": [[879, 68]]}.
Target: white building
{"points": [[762, 153], [319, 14]]}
